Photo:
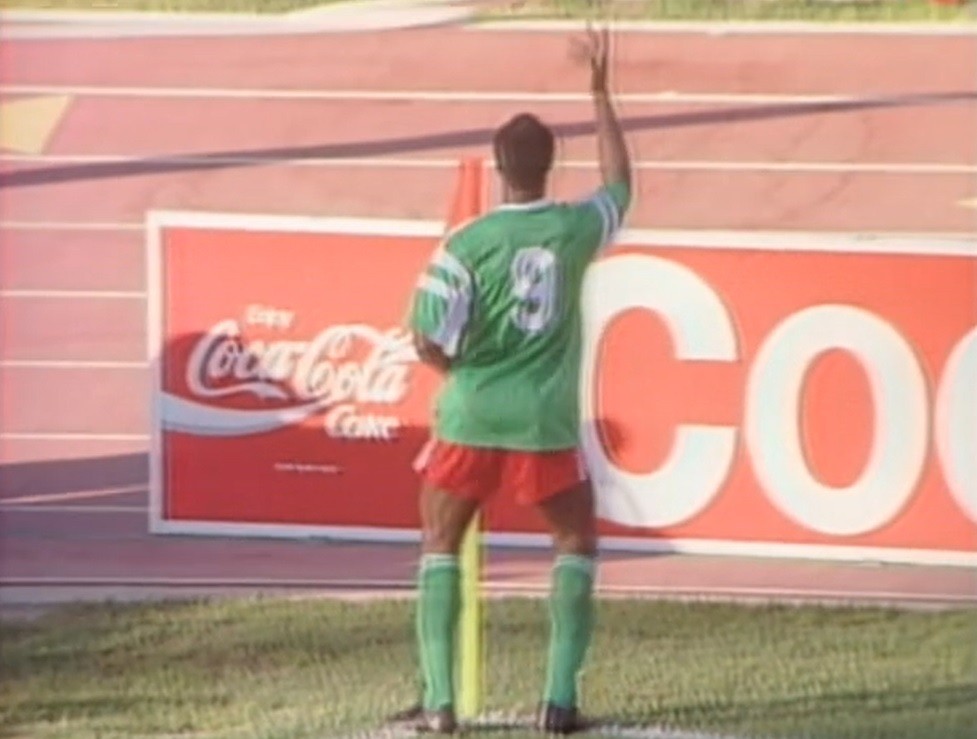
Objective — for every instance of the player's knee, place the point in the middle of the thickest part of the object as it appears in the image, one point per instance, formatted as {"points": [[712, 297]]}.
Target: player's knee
{"points": [[437, 542], [444, 520], [442, 538], [581, 542]]}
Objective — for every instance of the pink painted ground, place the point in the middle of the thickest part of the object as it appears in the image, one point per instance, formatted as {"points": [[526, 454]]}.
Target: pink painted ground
{"points": [[446, 59], [925, 131], [665, 199], [62, 536], [112, 549]]}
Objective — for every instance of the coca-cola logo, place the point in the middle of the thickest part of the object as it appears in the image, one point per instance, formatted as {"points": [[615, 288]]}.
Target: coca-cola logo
{"points": [[336, 372]]}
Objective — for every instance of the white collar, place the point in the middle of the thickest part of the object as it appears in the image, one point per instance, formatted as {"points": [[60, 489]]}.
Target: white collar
{"points": [[532, 205]]}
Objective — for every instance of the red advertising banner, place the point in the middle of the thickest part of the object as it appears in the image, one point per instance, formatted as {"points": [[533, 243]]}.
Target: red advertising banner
{"points": [[288, 393], [745, 393]]}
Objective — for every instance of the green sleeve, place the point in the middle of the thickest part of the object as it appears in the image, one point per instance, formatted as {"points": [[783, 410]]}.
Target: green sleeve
{"points": [[603, 212]]}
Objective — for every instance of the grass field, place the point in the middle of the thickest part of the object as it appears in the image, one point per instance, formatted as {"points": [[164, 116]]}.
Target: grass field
{"points": [[314, 668], [822, 10], [819, 10]]}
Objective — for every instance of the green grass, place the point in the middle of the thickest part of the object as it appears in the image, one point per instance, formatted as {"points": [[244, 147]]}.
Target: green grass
{"points": [[768, 10], [288, 670]]}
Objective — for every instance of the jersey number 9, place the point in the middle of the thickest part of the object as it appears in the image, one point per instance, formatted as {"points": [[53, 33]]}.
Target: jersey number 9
{"points": [[534, 286]]}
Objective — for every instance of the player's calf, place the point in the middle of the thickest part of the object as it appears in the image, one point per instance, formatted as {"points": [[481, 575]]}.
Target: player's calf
{"points": [[571, 518], [444, 519]]}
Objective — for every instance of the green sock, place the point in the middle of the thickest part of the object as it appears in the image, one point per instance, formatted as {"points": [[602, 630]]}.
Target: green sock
{"points": [[438, 607], [571, 624]]}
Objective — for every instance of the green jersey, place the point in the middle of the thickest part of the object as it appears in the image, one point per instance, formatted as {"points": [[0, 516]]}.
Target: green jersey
{"points": [[501, 298]]}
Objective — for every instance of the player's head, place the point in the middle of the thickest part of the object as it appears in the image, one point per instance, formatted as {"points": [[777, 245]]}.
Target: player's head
{"points": [[524, 148]]}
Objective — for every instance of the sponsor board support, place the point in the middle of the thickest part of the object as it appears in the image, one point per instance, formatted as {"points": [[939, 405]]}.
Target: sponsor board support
{"points": [[749, 394]]}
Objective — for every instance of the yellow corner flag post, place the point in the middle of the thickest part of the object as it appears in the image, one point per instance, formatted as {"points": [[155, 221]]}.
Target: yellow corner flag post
{"points": [[471, 689], [469, 202]]}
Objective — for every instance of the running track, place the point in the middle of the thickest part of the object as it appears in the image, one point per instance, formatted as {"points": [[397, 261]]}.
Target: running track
{"points": [[810, 133]]}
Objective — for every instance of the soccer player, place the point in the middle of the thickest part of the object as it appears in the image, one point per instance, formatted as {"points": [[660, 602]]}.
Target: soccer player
{"points": [[497, 311]]}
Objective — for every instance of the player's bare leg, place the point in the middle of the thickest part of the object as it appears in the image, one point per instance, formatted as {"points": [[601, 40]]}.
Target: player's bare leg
{"points": [[444, 520], [572, 522]]}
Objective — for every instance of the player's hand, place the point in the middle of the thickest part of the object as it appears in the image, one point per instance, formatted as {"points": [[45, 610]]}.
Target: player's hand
{"points": [[593, 50]]}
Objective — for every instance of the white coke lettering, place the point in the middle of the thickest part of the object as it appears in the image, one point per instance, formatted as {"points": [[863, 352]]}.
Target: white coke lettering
{"points": [[771, 433], [323, 370], [261, 315], [342, 422], [219, 355], [327, 371]]}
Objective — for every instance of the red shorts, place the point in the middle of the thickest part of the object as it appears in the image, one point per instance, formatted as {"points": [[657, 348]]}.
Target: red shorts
{"points": [[477, 473]]}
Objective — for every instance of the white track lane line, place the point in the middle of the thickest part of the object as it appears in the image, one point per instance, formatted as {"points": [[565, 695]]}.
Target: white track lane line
{"points": [[69, 436], [75, 495], [666, 97], [89, 509], [660, 97], [72, 364], [190, 160], [74, 294]]}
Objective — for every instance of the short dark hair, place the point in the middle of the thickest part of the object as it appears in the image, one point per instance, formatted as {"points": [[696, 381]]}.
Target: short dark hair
{"points": [[524, 148]]}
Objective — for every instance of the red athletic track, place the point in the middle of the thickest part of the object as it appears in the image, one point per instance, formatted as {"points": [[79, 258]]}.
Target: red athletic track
{"points": [[475, 60], [52, 543]]}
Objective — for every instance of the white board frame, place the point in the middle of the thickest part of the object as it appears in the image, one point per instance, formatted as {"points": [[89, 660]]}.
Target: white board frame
{"points": [[826, 242]]}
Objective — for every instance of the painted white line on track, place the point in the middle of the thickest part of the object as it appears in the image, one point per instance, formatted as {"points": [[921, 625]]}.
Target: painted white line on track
{"points": [[73, 509], [14, 225], [203, 159], [71, 364], [74, 495], [69, 436], [661, 97], [74, 294], [945, 243]]}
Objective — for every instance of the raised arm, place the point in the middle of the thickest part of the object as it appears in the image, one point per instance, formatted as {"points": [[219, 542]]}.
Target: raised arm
{"points": [[615, 163], [613, 199]]}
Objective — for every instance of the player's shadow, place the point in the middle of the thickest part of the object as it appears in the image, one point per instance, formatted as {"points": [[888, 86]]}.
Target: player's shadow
{"points": [[612, 726], [115, 483], [473, 137], [51, 478], [301, 449], [121, 480], [311, 442]]}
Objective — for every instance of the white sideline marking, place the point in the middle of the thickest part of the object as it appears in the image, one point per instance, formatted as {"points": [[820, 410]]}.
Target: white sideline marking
{"points": [[781, 593], [936, 168], [157, 220], [496, 722], [943, 243], [70, 226], [634, 545], [662, 97], [75, 294], [406, 587], [76, 495], [140, 510], [70, 364], [68, 436], [685, 236]]}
